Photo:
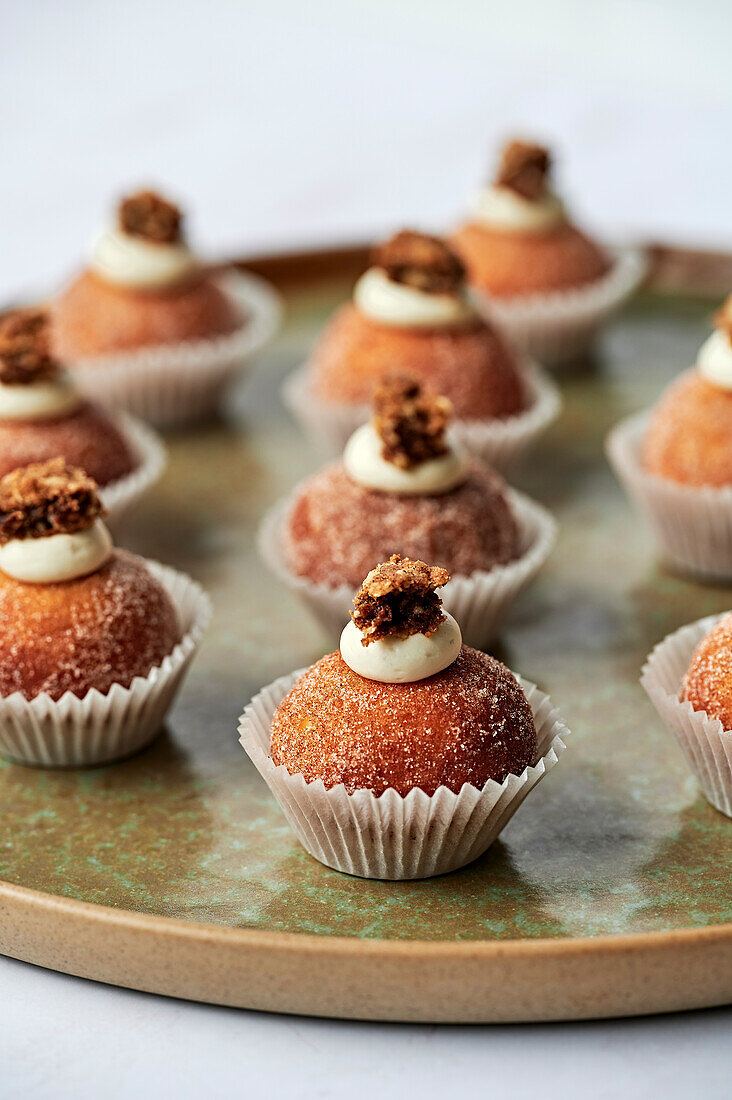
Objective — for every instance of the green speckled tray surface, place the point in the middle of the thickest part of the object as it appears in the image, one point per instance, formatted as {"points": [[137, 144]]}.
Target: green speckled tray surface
{"points": [[182, 848]]}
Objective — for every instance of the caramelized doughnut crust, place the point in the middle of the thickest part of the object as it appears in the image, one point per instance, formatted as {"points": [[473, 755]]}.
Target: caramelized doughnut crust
{"points": [[512, 264], [708, 681], [96, 631], [471, 366], [93, 317], [689, 435], [468, 724], [337, 529], [86, 438]]}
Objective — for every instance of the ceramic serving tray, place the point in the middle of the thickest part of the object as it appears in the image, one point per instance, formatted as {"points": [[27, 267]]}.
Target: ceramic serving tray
{"points": [[609, 892]]}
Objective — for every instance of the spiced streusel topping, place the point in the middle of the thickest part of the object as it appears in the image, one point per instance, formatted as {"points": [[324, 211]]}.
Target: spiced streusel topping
{"points": [[25, 352], [421, 261], [524, 168], [398, 599], [148, 215], [410, 421], [47, 498]]}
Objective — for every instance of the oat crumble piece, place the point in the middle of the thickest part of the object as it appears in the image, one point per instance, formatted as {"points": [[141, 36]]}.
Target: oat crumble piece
{"points": [[47, 498], [398, 599]]}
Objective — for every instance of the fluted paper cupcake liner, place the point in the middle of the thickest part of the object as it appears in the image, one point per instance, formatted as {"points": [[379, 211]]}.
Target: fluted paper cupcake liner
{"points": [[391, 836], [560, 327], [479, 602], [172, 384], [501, 443], [693, 525], [99, 728], [704, 742], [149, 455]]}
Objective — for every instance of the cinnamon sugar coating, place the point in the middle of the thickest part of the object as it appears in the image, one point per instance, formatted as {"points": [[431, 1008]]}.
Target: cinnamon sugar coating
{"points": [[523, 168], [689, 434], [510, 264], [410, 422], [398, 599], [148, 215], [25, 354], [94, 632], [470, 365], [46, 498], [336, 529], [418, 260], [93, 317], [84, 437], [708, 681], [468, 724]]}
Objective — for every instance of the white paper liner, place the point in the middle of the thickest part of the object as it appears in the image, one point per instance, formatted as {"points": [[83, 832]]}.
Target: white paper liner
{"points": [[150, 459], [395, 837], [74, 732], [706, 745], [560, 327], [479, 602], [693, 525], [501, 443], [172, 384]]}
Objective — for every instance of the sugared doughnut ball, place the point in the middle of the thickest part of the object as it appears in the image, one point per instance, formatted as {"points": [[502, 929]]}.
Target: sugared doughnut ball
{"points": [[336, 529], [708, 681], [509, 265], [689, 435], [469, 365], [86, 438], [468, 724], [93, 632], [93, 317]]}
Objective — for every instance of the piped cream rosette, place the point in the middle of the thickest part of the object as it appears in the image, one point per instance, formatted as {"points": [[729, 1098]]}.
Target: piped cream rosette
{"points": [[96, 729], [393, 836], [705, 744], [502, 443], [480, 602], [173, 384]]}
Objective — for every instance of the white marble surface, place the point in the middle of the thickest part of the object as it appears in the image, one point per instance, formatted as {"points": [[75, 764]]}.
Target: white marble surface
{"points": [[285, 123], [66, 1039]]}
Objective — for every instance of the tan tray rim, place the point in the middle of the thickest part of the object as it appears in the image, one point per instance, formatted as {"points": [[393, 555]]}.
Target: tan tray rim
{"points": [[21, 896]]}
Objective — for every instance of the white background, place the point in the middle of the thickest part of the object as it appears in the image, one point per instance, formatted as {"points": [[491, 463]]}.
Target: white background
{"points": [[282, 122], [292, 122]]}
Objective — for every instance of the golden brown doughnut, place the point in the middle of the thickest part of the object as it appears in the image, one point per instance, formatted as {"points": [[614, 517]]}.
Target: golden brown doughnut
{"points": [[469, 365], [708, 681], [509, 265], [467, 724], [689, 435], [85, 437], [336, 529], [92, 317], [92, 632]]}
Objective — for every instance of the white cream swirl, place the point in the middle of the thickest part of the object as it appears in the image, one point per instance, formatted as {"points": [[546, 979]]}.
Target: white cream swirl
{"points": [[46, 399], [502, 208], [402, 660], [57, 558], [715, 360], [130, 261], [381, 299], [366, 465]]}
